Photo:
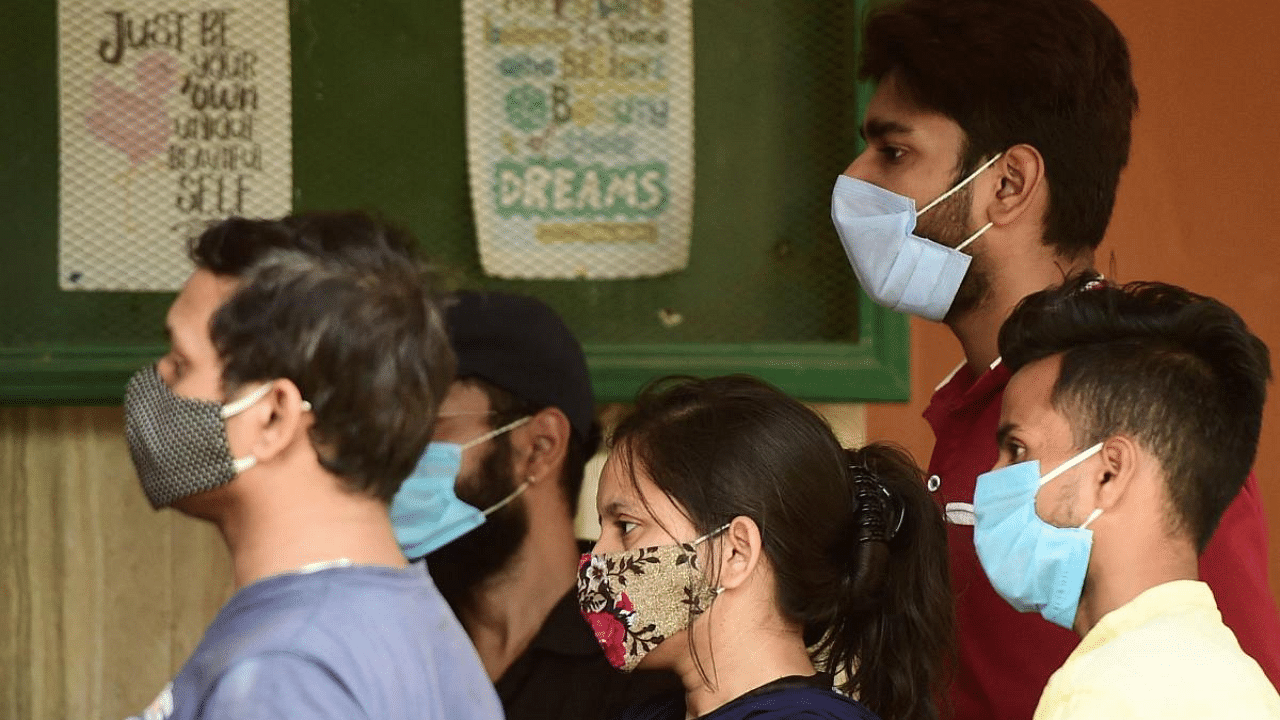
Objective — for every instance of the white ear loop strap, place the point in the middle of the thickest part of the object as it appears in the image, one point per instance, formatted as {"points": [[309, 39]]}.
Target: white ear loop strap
{"points": [[236, 407], [717, 531], [1097, 512], [1074, 461], [495, 433], [959, 185], [503, 502], [974, 236]]}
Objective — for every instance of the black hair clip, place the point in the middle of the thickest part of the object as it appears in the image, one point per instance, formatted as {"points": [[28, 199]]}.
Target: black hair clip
{"points": [[879, 511]]}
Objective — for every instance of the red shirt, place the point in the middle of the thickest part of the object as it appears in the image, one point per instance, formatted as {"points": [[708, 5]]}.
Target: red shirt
{"points": [[1006, 657]]}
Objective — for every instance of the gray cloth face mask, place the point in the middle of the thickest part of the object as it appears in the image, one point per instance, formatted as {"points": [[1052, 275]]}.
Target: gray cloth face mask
{"points": [[178, 444]]}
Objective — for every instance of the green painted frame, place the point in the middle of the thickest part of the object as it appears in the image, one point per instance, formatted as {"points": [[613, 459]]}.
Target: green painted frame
{"points": [[874, 368]]}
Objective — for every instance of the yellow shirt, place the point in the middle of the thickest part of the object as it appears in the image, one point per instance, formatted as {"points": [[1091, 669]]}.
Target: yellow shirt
{"points": [[1165, 654]]}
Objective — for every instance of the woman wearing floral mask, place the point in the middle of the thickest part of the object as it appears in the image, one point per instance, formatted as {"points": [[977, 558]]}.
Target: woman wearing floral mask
{"points": [[744, 549]]}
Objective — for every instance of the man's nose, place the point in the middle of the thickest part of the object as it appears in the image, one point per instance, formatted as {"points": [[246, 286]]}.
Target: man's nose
{"points": [[859, 168]]}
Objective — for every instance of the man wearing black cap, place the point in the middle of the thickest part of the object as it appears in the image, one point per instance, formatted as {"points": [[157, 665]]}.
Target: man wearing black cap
{"points": [[512, 580]]}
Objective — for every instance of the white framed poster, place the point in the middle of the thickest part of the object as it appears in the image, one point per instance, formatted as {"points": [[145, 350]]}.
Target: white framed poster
{"points": [[171, 115], [580, 136]]}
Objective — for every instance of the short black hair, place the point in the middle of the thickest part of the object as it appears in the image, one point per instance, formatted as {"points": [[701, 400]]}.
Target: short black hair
{"points": [[1053, 74], [1180, 373], [340, 305]]}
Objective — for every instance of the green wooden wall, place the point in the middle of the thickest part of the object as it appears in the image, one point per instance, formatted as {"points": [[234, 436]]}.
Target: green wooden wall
{"points": [[378, 124]]}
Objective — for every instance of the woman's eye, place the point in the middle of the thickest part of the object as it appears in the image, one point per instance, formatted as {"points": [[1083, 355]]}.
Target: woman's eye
{"points": [[626, 526]]}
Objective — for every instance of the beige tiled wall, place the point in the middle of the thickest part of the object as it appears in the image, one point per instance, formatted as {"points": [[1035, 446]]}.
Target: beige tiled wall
{"points": [[101, 598]]}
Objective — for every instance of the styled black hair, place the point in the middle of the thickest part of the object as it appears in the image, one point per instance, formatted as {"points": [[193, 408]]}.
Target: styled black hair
{"points": [[1053, 74], [857, 547], [1178, 372]]}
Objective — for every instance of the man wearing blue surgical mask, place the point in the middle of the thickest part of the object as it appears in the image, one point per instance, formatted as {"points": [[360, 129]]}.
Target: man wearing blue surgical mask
{"points": [[522, 414], [995, 141], [1129, 424]]}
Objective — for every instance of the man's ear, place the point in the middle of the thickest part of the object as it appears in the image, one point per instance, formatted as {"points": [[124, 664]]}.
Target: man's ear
{"points": [[272, 425], [1020, 180], [1122, 463], [740, 552], [542, 445]]}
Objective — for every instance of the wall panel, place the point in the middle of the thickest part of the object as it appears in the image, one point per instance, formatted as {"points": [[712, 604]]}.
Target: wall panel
{"points": [[103, 598]]}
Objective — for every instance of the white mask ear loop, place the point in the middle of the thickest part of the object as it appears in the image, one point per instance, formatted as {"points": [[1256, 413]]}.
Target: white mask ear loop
{"points": [[489, 436], [713, 533], [503, 502], [495, 433], [703, 539], [974, 236], [959, 185], [236, 407], [1097, 512], [1079, 458]]}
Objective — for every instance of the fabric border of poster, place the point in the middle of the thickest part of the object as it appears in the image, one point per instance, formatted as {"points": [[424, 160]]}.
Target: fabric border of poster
{"points": [[580, 136]]}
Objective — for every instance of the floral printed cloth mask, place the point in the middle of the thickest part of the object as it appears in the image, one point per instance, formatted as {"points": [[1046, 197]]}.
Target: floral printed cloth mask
{"points": [[635, 599]]}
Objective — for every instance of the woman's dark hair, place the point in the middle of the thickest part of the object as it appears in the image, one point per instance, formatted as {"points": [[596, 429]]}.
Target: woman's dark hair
{"points": [[857, 547]]}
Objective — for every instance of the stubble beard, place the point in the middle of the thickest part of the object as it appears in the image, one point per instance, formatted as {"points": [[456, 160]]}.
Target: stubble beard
{"points": [[948, 224]]}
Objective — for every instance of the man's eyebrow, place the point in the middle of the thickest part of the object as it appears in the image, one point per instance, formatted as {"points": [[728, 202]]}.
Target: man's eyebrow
{"points": [[1003, 432], [877, 128]]}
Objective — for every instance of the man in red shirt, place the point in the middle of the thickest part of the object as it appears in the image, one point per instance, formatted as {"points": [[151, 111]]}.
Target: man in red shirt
{"points": [[1022, 109]]}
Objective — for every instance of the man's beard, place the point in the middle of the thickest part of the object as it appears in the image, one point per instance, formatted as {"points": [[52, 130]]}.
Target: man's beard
{"points": [[461, 568], [948, 224]]}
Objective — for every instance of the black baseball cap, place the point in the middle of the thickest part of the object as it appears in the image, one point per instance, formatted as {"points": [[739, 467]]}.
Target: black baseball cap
{"points": [[521, 345]]}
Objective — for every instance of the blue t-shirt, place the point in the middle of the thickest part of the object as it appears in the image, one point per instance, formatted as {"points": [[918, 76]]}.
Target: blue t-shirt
{"points": [[345, 642]]}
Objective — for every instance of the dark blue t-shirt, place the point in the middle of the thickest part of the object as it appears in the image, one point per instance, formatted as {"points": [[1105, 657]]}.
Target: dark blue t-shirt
{"points": [[790, 698], [344, 642]]}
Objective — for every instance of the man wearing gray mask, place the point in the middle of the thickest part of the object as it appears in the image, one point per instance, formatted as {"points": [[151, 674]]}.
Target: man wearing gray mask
{"points": [[995, 141], [306, 365]]}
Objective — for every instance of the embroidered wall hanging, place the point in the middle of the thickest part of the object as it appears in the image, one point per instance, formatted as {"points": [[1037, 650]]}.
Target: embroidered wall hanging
{"points": [[580, 135], [172, 114]]}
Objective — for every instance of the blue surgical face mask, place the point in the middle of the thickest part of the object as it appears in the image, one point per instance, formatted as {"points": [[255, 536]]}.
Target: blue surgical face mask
{"points": [[426, 513], [1033, 565], [895, 267]]}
